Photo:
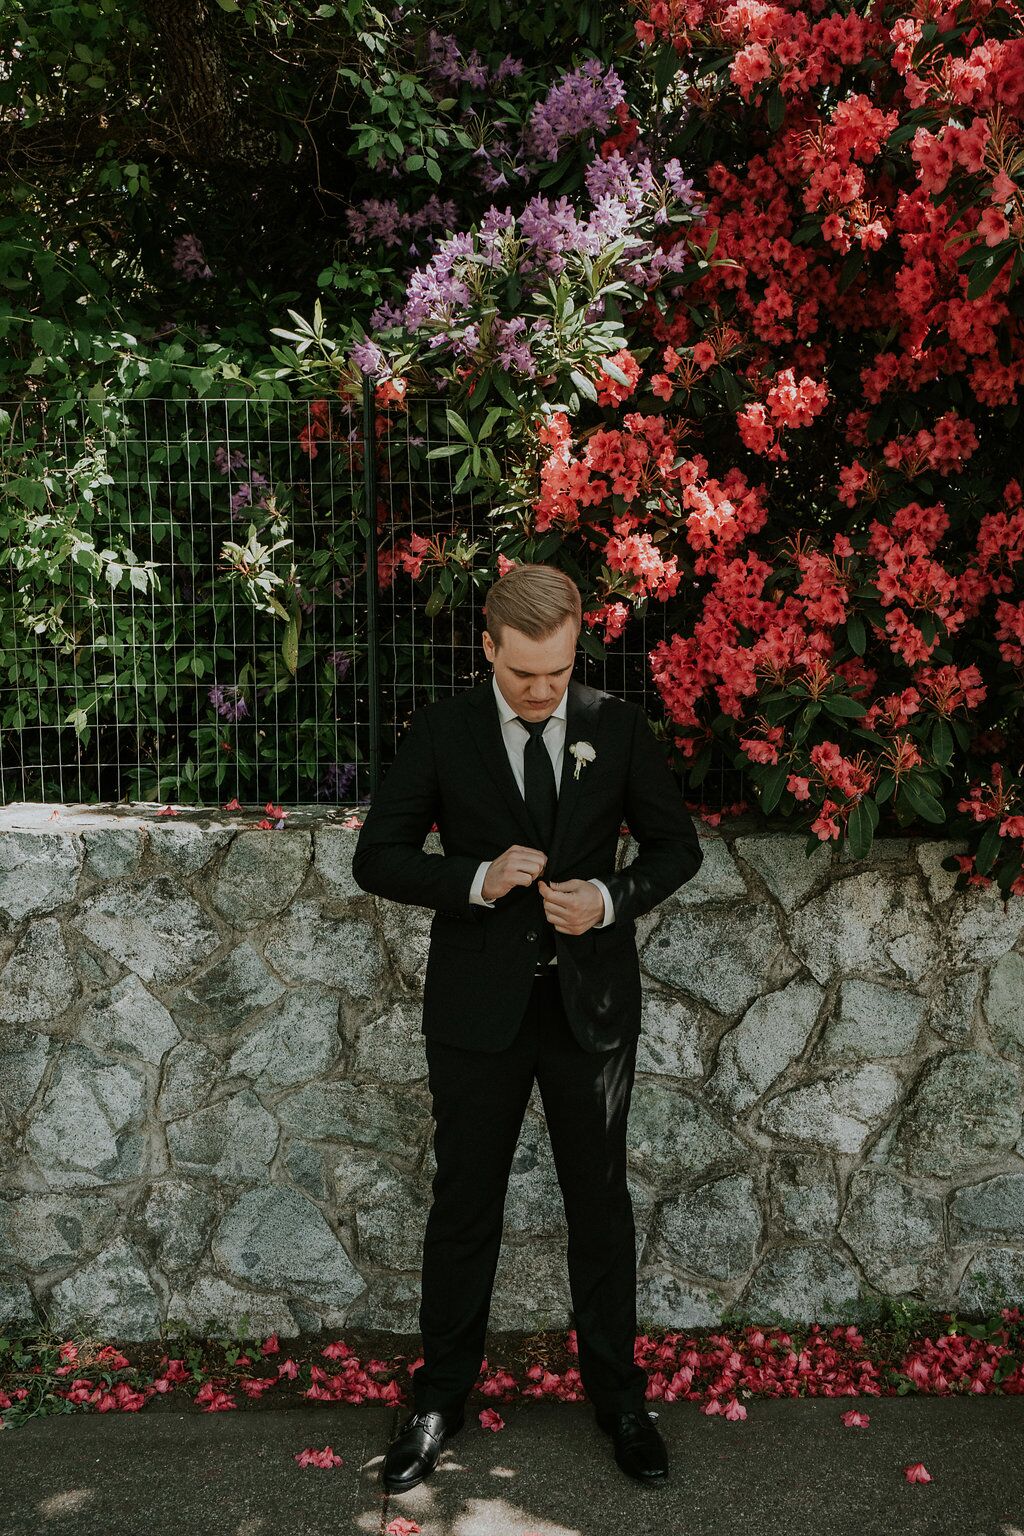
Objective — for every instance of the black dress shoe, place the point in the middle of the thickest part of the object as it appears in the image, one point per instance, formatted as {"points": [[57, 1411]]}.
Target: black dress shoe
{"points": [[412, 1454], [639, 1449]]}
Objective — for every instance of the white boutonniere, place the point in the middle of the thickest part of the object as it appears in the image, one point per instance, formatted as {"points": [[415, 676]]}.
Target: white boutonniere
{"points": [[583, 752]]}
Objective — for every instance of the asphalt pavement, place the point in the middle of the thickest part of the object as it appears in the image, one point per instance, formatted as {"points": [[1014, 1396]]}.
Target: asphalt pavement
{"points": [[791, 1467]]}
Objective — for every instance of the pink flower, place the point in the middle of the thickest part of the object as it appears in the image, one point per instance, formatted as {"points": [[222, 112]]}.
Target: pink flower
{"points": [[993, 226], [918, 1473], [312, 1458], [336, 1350], [490, 1419]]}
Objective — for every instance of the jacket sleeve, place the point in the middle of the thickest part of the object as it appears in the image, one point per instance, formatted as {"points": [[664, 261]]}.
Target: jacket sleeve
{"points": [[669, 851], [389, 859]]}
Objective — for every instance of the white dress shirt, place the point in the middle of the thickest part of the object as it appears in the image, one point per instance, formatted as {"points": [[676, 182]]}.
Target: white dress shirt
{"points": [[516, 738]]}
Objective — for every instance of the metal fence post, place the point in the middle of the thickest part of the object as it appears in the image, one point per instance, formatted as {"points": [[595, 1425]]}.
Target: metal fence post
{"points": [[372, 642]]}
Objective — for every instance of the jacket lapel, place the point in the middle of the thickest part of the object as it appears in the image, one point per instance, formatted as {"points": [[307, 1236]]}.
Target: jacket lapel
{"points": [[581, 714]]}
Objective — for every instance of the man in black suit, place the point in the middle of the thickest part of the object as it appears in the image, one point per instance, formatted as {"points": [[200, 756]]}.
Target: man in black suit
{"points": [[532, 973]]}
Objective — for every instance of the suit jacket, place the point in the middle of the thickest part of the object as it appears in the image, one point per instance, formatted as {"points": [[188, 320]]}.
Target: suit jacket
{"points": [[452, 768]]}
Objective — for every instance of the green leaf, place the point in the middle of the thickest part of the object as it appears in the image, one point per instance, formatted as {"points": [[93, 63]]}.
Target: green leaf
{"points": [[988, 847], [583, 384], [920, 800], [985, 271], [851, 266], [725, 379], [942, 742], [666, 67], [807, 717], [855, 633], [290, 646], [860, 829], [841, 705], [592, 644], [772, 785], [435, 602], [457, 424], [614, 371], [493, 414], [884, 787], [776, 108]]}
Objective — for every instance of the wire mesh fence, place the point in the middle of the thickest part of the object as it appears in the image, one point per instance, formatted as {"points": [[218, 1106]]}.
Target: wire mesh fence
{"points": [[186, 609], [154, 649]]}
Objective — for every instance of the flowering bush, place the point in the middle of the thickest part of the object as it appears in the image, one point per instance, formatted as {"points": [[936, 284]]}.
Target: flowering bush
{"points": [[801, 423]]}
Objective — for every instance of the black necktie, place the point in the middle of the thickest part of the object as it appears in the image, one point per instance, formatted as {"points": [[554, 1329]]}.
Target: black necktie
{"points": [[539, 789], [541, 796]]}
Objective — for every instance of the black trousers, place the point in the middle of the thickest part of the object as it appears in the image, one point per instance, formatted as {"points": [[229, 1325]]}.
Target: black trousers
{"points": [[479, 1101]]}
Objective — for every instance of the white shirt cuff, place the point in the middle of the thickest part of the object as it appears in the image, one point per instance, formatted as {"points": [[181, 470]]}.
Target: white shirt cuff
{"points": [[609, 910], [476, 889]]}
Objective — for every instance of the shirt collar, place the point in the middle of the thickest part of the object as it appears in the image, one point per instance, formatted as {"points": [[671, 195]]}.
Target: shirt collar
{"points": [[508, 713]]}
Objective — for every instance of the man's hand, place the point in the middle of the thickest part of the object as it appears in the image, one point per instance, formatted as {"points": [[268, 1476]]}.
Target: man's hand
{"points": [[572, 906], [518, 865]]}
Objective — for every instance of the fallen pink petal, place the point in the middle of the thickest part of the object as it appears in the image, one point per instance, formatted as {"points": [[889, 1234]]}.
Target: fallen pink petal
{"points": [[917, 1473], [323, 1458]]}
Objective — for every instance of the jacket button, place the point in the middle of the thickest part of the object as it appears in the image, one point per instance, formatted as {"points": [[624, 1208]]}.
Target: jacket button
{"points": [[531, 933]]}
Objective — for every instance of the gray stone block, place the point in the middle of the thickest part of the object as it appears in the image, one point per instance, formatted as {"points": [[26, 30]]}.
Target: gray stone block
{"points": [[770, 1036], [892, 1228], [38, 982], [111, 1297], [963, 1112], [276, 1240], [712, 1230], [91, 1126], [871, 1020], [38, 872], [233, 1139], [838, 1111], [804, 1283], [152, 927], [260, 874]]}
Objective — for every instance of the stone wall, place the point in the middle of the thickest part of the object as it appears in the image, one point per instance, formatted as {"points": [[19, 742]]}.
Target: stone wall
{"points": [[213, 1099]]}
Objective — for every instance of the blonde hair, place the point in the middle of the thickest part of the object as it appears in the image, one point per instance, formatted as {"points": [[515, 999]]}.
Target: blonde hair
{"points": [[535, 599]]}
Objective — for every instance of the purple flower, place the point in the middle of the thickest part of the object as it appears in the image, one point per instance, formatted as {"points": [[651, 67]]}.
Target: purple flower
{"points": [[433, 292], [384, 316], [188, 258], [681, 186], [447, 64], [338, 779], [229, 701], [378, 219], [512, 353], [582, 102], [369, 359], [341, 661], [224, 463], [620, 180]]}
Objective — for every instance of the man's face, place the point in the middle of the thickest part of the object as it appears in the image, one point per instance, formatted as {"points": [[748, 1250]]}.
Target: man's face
{"points": [[533, 674]]}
